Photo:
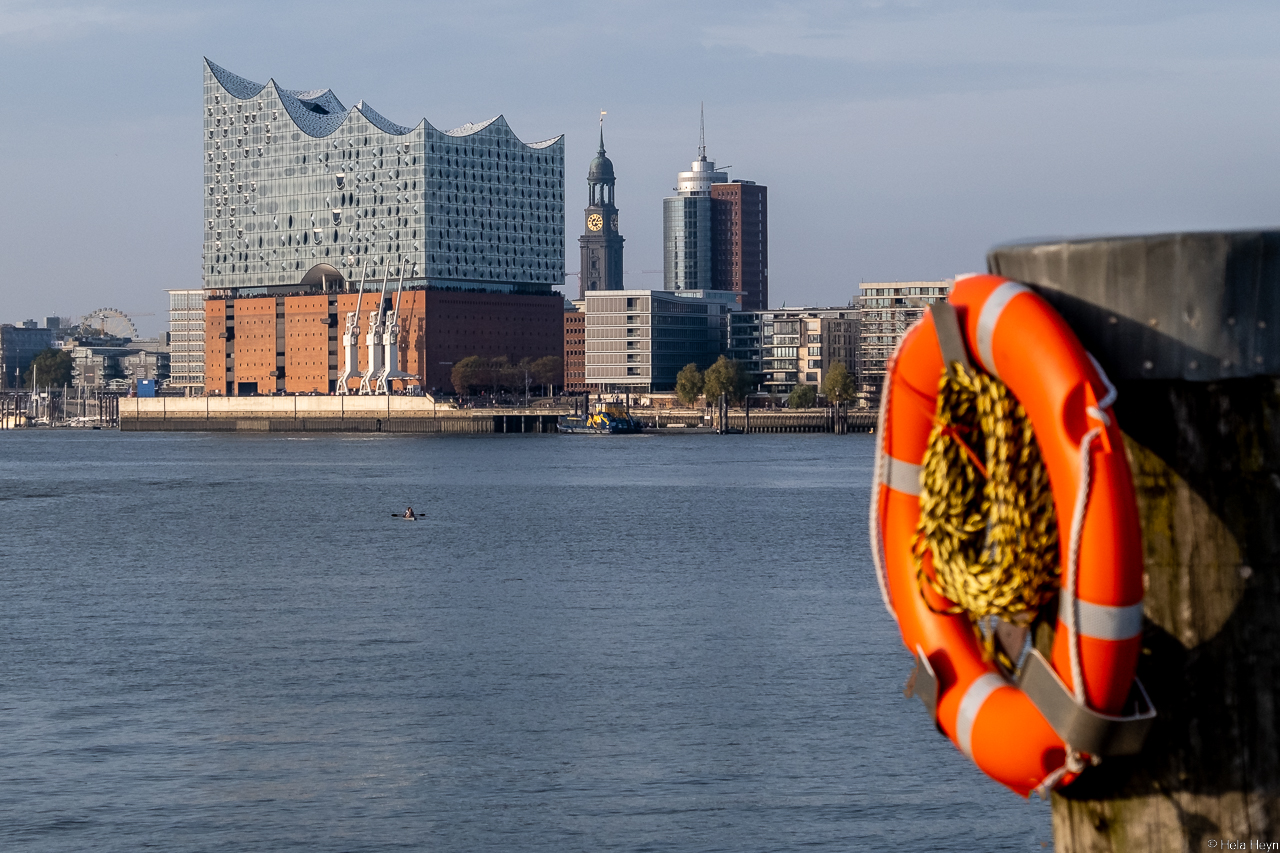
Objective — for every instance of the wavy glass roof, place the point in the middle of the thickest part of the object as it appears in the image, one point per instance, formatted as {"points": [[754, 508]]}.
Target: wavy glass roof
{"points": [[319, 113], [381, 122]]}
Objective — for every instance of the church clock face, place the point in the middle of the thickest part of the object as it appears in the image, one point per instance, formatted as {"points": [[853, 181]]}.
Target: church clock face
{"points": [[595, 222], [613, 222]]}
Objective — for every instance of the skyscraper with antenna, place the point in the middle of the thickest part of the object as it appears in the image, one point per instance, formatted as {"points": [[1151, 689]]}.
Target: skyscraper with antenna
{"points": [[686, 222], [715, 232]]}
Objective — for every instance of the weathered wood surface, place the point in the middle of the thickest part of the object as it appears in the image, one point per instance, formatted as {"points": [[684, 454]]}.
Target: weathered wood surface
{"points": [[1206, 464], [1190, 325]]}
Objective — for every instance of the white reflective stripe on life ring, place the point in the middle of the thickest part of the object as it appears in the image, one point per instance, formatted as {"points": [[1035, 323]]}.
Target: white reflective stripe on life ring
{"points": [[971, 704], [901, 476], [1107, 622], [991, 311]]}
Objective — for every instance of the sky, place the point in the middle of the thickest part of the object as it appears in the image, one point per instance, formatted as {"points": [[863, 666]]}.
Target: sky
{"points": [[899, 139]]}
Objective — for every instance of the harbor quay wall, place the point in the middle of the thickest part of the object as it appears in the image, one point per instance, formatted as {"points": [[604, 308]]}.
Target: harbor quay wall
{"points": [[323, 414], [769, 421], [423, 415]]}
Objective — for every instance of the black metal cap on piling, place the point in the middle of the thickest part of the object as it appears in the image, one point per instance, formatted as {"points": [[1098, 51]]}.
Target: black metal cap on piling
{"points": [[1199, 306]]}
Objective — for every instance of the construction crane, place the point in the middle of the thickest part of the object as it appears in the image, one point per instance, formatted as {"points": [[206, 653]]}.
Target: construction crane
{"points": [[391, 340]]}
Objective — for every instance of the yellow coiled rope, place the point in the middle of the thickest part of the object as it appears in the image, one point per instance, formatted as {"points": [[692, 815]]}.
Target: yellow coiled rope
{"points": [[986, 510]]}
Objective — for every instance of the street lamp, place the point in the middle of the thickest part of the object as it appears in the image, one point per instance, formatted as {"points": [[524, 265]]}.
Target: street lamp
{"points": [[447, 364]]}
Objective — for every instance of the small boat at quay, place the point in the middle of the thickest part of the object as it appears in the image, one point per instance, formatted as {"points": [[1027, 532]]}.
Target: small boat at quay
{"points": [[612, 418]]}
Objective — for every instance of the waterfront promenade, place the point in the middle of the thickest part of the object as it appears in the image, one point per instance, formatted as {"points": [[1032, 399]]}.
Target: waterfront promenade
{"points": [[424, 415]]}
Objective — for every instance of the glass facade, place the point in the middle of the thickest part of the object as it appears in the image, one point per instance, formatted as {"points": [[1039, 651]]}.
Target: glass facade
{"points": [[686, 242], [19, 345], [300, 190], [687, 236], [745, 343]]}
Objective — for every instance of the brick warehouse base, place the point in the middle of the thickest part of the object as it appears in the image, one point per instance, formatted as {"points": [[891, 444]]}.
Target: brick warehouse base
{"points": [[292, 343]]}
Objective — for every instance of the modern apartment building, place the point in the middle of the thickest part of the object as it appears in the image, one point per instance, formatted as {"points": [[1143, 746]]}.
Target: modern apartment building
{"points": [[888, 310], [186, 340], [794, 346], [637, 340], [147, 364]]}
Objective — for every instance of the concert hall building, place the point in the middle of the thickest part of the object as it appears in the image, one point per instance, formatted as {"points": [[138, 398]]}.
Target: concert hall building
{"points": [[304, 197]]}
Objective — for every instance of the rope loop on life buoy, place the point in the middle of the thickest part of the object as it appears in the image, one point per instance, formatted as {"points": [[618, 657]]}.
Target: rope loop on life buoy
{"points": [[986, 508]]}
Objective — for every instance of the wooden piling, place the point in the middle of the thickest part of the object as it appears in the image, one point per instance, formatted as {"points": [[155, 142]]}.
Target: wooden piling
{"points": [[1188, 328]]}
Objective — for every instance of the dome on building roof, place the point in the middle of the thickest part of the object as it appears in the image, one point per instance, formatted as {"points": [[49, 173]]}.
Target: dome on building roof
{"points": [[601, 168]]}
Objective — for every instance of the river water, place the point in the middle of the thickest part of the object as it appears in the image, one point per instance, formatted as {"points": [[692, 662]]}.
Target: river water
{"points": [[649, 643]]}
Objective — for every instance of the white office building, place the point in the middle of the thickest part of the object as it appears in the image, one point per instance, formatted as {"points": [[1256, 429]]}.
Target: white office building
{"points": [[638, 340]]}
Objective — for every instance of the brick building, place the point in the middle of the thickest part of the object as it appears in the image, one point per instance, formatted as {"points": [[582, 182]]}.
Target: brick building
{"points": [[740, 241], [291, 344], [575, 349]]}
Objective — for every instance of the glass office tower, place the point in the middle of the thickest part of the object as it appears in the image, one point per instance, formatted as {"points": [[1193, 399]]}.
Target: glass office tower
{"points": [[686, 228], [302, 193]]}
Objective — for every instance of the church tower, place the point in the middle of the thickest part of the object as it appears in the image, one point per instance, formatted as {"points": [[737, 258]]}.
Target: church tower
{"points": [[601, 243]]}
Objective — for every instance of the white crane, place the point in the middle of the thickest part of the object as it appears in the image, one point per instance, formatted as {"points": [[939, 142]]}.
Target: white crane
{"points": [[351, 342], [373, 340], [391, 341]]}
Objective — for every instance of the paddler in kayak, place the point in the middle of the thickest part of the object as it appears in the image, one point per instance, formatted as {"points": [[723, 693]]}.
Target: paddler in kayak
{"points": [[408, 513]]}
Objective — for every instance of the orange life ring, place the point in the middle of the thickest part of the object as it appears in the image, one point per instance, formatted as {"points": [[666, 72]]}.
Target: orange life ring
{"points": [[1016, 336]]}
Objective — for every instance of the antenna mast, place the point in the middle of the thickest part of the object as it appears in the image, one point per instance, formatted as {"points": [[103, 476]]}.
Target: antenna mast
{"points": [[702, 131]]}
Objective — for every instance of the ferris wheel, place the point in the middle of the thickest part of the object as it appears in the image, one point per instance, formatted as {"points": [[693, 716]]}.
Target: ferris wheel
{"points": [[109, 322]]}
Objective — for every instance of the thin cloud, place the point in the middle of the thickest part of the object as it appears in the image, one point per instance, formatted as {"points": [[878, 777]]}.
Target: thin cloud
{"points": [[58, 21], [897, 31]]}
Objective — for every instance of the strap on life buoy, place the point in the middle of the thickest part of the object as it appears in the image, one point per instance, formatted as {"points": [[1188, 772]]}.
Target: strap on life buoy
{"points": [[1084, 729]]}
